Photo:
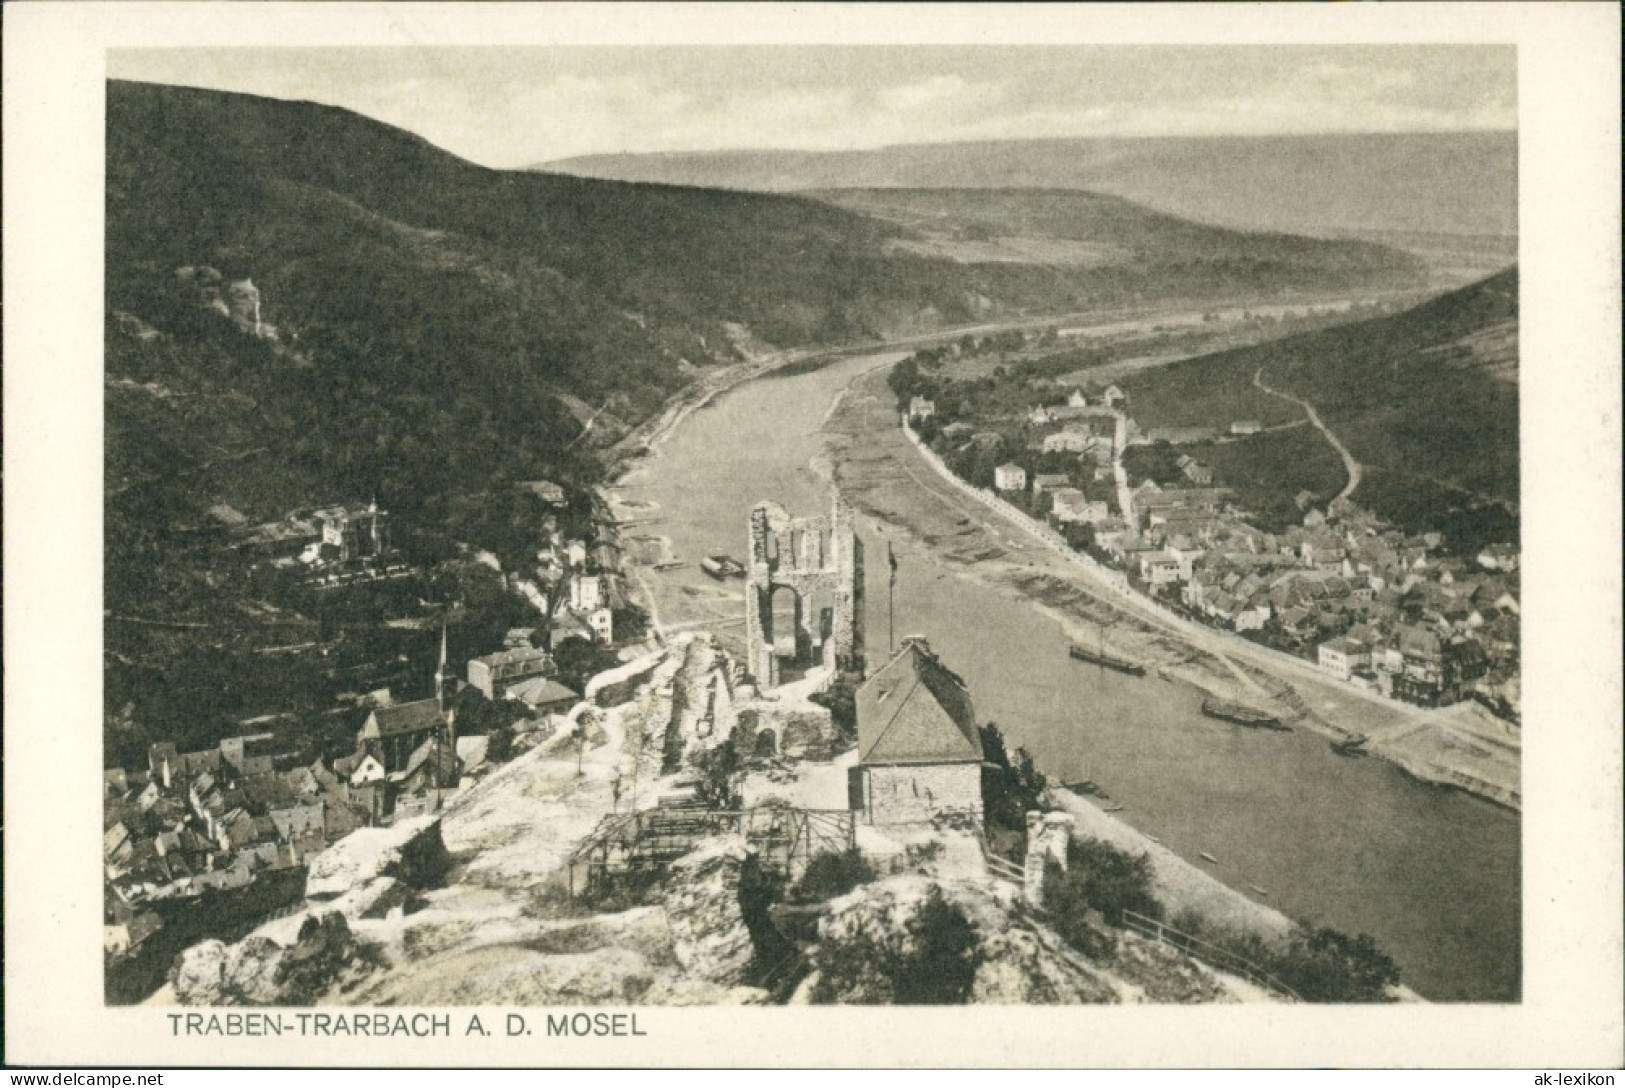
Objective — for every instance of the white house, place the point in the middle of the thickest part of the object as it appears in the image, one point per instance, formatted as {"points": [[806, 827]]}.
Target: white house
{"points": [[921, 408], [1070, 439], [1159, 567], [586, 592], [1254, 616], [1341, 657], [370, 769], [1010, 477]]}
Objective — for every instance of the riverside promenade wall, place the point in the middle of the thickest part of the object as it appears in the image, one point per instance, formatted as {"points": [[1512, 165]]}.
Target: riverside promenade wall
{"points": [[1042, 532]]}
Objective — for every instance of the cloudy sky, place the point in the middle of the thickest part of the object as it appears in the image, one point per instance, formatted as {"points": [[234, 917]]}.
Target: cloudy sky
{"points": [[507, 107]]}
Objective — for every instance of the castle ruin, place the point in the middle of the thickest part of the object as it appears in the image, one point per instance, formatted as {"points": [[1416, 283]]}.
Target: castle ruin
{"points": [[819, 560]]}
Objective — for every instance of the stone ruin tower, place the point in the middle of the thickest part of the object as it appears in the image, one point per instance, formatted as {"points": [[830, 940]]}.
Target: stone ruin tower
{"points": [[820, 561]]}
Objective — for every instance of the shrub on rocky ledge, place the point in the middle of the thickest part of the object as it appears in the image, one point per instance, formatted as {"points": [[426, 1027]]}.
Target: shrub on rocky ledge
{"points": [[931, 959], [829, 875], [1101, 877]]}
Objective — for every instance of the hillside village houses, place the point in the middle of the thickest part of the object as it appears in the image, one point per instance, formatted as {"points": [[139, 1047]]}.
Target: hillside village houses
{"points": [[243, 817], [1394, 615], [582, 609], [220, 819], [321, 537]]}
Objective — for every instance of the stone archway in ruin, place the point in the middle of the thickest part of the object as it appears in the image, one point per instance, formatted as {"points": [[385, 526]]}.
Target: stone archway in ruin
{"points": [[819, 559]]}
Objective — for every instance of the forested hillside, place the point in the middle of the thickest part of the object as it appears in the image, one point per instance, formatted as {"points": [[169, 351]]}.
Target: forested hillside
{"points": [[307, 307], [1426, 400]]}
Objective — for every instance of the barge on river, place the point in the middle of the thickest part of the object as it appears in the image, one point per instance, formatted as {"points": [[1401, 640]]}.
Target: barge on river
{"points": [[1243, 715], [1351, 746], [722, 566], [1099, 657]]}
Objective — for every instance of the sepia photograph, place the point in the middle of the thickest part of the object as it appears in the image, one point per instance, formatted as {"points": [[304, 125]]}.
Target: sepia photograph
{"points": [[589, 529], [1016, 566]]}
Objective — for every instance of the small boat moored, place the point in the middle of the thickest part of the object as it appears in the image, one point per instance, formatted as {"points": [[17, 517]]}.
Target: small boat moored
{"points": [[1209, 858], [1351, 746], [722, 566]]}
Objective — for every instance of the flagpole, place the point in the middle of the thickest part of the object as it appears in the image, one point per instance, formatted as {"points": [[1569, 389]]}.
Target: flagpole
{"points": [[891, 596], [440, 732]]}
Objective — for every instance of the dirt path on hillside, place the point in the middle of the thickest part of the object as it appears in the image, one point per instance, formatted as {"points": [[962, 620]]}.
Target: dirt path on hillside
{"points": [[1350, 465]]}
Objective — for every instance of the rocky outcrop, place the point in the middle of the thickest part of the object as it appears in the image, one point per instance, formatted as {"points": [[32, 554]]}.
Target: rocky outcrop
{"points": [[1166, 976], [411, 852], [259, 971], [709, 936], [1026, 965], [870, 930], [243, 306], [236, 300]]}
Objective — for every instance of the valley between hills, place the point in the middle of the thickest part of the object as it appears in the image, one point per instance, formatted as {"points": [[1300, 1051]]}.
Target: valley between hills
{"points": [[377, 419]]}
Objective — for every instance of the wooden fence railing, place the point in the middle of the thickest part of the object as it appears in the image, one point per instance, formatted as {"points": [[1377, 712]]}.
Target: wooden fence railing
{"points": [[782, 837], [1210, 954]]}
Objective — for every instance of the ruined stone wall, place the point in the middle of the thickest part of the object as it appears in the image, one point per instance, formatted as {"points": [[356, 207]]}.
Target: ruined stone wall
{"points": [[1048, 834], [817, 559], [799, 731]]}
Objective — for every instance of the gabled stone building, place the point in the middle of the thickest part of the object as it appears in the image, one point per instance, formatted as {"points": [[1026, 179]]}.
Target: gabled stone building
{"points": [[919, 749]]}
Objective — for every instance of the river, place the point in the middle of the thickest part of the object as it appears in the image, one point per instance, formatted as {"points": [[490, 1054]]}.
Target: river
{"points": [[1431, 873]]}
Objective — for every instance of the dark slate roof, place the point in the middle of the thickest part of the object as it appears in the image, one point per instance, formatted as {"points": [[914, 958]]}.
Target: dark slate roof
{"points": [[407, 717], [518, 655], [915, 710]]}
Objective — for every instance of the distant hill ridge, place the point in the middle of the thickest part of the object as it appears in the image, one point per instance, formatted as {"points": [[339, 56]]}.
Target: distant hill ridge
{"points": [[1461, 183]]}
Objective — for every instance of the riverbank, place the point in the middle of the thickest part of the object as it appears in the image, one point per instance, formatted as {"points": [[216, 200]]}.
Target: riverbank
{"points": [[890, 476]]}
